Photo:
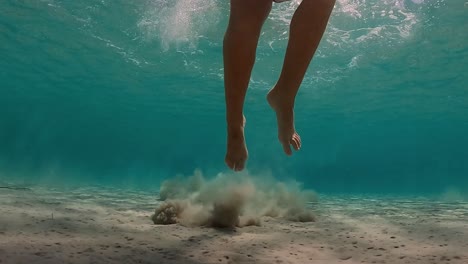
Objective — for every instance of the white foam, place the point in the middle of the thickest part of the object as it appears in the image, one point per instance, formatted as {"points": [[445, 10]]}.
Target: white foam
{"points": [[178, 23]]}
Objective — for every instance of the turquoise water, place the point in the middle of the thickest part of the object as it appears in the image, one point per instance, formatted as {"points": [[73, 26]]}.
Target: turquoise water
{"points": [[129, 93]]}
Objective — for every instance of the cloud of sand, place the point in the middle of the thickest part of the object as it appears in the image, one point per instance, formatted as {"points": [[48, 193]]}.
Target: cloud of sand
{"points": [[230, 201]]}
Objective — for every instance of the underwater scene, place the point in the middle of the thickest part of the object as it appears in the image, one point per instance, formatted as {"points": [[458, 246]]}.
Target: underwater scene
{"points": [[113, 136]]}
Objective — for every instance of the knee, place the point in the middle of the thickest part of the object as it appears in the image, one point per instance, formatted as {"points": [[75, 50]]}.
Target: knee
{"points": [[248, 15]]}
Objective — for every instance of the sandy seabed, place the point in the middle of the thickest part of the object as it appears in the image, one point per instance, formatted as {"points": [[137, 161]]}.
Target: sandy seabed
{"points": [[101, 225]]}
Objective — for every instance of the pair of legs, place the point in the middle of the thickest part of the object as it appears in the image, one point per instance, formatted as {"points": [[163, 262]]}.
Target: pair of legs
{"points": [[240, 44]]}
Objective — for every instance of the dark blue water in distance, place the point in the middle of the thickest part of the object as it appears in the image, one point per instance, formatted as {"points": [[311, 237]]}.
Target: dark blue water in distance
{"points": [[129, 93]]}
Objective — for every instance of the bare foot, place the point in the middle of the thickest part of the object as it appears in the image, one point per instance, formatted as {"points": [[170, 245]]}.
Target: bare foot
{"points": [[287, 134], [237, 153]]}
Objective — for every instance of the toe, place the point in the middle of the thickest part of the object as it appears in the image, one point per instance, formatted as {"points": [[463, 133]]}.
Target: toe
{"points": [[297, 139], [229, 163], [286, 147], [239, 166], [295, 143]]}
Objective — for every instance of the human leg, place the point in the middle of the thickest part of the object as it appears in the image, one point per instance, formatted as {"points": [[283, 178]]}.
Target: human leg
{"points": [[307, 27], [240, 44]]}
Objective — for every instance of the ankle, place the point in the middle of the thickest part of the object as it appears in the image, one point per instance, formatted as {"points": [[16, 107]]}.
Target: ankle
{"points": [[281, 98], [235, 134], [235, 128]]}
